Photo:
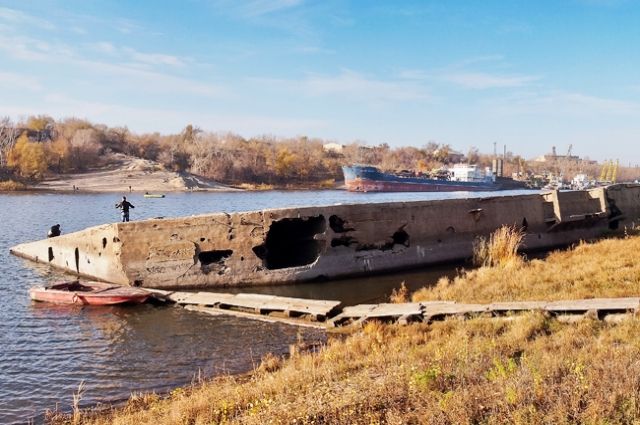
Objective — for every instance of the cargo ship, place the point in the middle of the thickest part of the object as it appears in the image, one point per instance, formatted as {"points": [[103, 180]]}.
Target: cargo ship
{"points": [[460, 177]]}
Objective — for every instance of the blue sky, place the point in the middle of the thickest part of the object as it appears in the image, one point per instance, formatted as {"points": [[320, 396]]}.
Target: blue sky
{"points": [[528, 74]]}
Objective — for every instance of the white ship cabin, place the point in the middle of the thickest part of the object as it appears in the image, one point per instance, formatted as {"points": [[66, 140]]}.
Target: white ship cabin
{"points": [[471, 173]]}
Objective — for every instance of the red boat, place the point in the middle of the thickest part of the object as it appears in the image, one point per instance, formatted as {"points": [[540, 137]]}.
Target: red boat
{"points": [[88, 293]]}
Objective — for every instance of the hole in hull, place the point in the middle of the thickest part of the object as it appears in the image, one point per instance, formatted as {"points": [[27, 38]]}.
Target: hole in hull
{"points": [[400, 237], [214, 261], [290, 242], [209, 257], [337, 224], [50, 254], [77, 258]]}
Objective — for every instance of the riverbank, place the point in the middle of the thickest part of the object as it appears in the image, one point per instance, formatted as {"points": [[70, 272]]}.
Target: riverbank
{"points": [[123, 174], [529, 368]]}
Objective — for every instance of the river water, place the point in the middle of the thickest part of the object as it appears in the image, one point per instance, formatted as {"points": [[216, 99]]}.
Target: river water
{"points": [[47, 351]]}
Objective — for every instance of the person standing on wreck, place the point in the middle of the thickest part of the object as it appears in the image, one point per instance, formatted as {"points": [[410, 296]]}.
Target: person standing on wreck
{"points": [[124, 205]]}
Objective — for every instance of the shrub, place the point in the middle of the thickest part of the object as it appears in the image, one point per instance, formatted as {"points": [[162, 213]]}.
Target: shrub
{"points": [[501, 249]]}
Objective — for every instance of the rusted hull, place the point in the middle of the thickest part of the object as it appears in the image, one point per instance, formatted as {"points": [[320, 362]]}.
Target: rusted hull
{"points": [[364, 185]]}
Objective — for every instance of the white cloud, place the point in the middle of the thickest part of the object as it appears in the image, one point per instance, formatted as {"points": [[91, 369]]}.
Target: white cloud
{"points": [[255, 8], [104, 47], [26, 48], [352, 86], [481, 81], [126, 26], [560, 103], [17, 17], [263, 7], [152, 82], [153, 58], [16, 81], [413, 74], [139, 78], [135, 57], [167, 120]]}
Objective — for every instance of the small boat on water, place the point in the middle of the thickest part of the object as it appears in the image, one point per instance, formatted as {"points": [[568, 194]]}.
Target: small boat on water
{"points": [[154, 195], [88, 293]]}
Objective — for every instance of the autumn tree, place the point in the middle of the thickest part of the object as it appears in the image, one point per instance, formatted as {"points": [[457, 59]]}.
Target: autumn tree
{"points": [[40, 122], [28, 158]]}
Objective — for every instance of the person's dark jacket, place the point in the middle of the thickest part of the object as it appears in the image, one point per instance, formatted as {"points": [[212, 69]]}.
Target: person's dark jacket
{"points": [[125, 205]]}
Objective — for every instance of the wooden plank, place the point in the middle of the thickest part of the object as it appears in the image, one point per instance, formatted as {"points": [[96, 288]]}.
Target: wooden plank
{"points": [[395, 310], [608, 304], [269, 319], [351, 313], [453, 309], [261, 302], [357, 310], [436, 303], [517, 306], [205, 298]]}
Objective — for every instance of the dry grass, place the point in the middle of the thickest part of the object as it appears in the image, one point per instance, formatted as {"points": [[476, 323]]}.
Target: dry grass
{"points": [[521, 369], [400, 295], [11, 185], [607, 268], [528, 370], [500, 250], [256, 186]]}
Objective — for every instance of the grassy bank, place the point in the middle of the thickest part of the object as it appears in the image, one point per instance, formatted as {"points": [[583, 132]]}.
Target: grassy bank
{"points": [[522, 369], [608, 268]]}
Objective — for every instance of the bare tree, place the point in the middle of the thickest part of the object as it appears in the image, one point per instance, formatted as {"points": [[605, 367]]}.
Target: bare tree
{"points": [[8, 136]]}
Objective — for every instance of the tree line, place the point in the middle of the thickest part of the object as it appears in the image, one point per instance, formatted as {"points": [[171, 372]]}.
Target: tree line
{"points": [[75, 145], [40, 146]]}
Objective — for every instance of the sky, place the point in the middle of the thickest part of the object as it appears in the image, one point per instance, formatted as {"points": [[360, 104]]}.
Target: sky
{"points": [[527, 75]]}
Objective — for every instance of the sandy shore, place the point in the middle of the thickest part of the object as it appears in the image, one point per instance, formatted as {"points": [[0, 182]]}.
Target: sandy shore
{"points": [[125, 174]]}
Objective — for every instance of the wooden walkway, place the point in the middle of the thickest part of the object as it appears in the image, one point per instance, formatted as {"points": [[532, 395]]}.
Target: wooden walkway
{"points": [[330, 314]]}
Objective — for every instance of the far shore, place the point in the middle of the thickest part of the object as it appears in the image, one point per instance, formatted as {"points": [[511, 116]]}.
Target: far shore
{"points": [[134, 175]]}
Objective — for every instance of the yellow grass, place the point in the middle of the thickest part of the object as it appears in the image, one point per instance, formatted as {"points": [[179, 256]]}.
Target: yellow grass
{"points": [[528, 370], [501, 249], [256, 186], [608, 268], [522, 369], [11, 185]]}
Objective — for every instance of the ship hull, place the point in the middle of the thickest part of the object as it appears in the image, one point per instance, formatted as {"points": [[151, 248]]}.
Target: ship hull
{"points": [[370, 179]]}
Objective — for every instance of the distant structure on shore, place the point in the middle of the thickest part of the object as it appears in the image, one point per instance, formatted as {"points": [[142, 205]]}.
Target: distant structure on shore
{"points": [[333, 147], [554, 157]]}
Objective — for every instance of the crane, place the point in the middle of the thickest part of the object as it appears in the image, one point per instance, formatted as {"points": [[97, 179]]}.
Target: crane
{"points": [[565, 162], [603, 173]]}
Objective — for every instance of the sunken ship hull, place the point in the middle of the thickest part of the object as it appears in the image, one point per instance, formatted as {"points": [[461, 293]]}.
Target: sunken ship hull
{"points": [[325, 242]]}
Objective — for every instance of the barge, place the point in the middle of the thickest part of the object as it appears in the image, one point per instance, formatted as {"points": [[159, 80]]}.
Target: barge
{"points": [[461, 177]]}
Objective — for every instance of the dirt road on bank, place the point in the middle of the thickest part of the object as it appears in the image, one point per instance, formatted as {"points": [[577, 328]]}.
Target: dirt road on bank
{"points": [[124, 174]]}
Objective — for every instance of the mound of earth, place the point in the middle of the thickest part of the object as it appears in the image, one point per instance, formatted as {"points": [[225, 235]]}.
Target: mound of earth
{"points": [[124, 174]]}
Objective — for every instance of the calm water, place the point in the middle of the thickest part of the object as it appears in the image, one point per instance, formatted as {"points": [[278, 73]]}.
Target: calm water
{"points": [[46, 351]]}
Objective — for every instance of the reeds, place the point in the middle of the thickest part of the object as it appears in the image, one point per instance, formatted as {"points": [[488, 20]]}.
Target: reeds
{"points": [[500, 250]]}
